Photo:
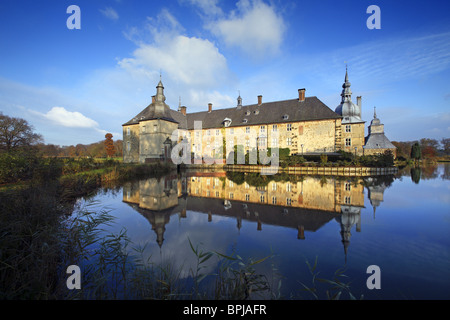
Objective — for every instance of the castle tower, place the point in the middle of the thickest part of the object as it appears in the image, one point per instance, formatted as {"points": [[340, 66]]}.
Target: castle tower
{"points": [[352, 131], [376, 142]]}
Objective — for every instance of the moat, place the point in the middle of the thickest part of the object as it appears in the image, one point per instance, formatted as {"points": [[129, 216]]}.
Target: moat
{"points": [[398, 222]]}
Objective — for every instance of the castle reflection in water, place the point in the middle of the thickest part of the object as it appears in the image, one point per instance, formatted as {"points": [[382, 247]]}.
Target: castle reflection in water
{"points": [[304, 203]]}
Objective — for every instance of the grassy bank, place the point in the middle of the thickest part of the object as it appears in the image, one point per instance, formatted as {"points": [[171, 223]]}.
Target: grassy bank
{"points": [[35, 239]]}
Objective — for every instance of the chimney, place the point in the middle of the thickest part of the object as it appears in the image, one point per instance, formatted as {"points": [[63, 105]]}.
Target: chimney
{"points": [[209, 107], [301, 95], [259, 100], [358, 101], [183, 110], [153, 99]]}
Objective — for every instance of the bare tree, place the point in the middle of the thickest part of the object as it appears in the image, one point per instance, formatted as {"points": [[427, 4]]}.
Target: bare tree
{"points": [[16, 133]]}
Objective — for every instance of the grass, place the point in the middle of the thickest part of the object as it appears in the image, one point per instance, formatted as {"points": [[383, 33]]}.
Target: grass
{"points": [[34, 233]]}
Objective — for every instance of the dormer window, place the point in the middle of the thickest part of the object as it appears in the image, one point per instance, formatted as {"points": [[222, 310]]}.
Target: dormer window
{"points": [[244, 120], [247, 113], [285, 117], [256, 112]]}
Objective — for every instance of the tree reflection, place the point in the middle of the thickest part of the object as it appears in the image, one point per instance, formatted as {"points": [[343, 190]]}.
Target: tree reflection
{"points": [[415, 174]]}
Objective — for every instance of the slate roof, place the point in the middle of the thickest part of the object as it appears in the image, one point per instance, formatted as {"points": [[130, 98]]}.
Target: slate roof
{"points": [[270, 112], [149, 113], [378, 141]]}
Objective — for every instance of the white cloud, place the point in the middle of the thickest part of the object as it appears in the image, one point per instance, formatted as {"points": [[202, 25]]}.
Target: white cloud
{"points": [[188, 64], [255, 28], [110, 13], [191, 61], [208, 7], [65, 118]]}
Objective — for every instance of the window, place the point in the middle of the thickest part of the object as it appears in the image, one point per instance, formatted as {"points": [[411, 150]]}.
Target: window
{"points": [[262, 142], [274, 200], [244, 120], [348, 186], [231, 195], [289, 127], [247, 129], [128, 131], [274, 128], [288, 201], [261, 198], [231, 183], [285, 117], [217, 132], [217, 194], [289, 141], [347, 200], [348, 142], [288, 187], [274, 187], [348, 128], [262, 129], [208, 132], [247, 197], [274, 142], [128, 145]]}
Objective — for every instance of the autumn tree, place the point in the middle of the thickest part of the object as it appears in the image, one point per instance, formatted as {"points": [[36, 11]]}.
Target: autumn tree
{"points": [[16, 133], [109, 145], [446, 145]]}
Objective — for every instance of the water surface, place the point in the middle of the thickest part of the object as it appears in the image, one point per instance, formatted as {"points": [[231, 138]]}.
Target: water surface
{"points": [[400, 223]]}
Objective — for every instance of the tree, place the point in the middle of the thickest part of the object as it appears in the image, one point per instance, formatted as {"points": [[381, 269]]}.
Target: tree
{"points": [[16, 133], [403, 148], [109, 145], [429, 152], [446, 145], [416, 153]]}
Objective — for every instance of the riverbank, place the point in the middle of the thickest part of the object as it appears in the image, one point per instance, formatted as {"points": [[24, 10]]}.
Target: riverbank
{"points": [[37, 239], [299, 170]]}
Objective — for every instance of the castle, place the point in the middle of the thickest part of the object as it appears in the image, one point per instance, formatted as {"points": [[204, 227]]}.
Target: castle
{"points": [[304, 125]]}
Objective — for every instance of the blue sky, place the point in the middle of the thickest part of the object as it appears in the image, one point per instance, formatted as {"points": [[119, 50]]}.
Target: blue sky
{"points": [[73, 86]]}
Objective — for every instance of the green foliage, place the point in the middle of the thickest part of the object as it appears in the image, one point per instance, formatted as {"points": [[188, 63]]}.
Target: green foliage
{"points": [[328, 289], [23, 165], [416, 173], [416, 152], [236, 177]]}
